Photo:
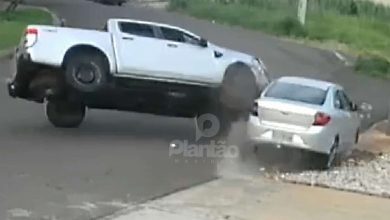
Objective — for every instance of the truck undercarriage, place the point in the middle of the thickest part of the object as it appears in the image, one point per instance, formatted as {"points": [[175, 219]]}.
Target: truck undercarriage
{"points": [[40, 83]]}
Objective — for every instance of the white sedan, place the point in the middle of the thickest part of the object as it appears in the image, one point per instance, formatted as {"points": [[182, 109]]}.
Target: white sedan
{"points": [[307, 114]]}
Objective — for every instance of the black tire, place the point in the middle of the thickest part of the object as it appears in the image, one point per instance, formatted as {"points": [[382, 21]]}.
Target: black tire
{"points": [[235, 99], [357, 136], [327, 161], [238, 90], [64, 114], [214, 124], [217, 122], [86, 71]]}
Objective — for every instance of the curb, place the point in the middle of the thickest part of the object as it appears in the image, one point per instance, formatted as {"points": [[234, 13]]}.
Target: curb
{"points": [[56, 21], [132, 207], [325, 186]]}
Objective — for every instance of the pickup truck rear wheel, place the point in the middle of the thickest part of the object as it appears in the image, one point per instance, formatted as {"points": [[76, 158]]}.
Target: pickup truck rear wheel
{"points": [[65, 114], [86, 71]]}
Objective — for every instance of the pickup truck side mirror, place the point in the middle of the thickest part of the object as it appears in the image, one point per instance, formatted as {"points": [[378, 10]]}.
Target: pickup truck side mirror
{"points": [[203, 43]]}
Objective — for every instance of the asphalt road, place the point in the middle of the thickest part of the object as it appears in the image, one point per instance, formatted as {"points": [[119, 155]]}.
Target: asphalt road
{"points": [[122, 157]]}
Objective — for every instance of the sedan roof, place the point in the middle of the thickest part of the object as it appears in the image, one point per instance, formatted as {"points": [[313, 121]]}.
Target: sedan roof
{"points": [[324, 85]]}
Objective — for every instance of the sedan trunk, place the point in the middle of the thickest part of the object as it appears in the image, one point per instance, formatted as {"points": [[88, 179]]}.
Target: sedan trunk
{"points": [[286, 113]]}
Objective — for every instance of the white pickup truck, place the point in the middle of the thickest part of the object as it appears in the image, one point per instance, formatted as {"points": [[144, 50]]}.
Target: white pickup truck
{"points": [[133, 65]]}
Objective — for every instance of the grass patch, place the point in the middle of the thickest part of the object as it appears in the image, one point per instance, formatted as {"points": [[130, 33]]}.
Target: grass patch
{"points": [[247, 16], [373, 65], [12, 25], [362, 26]]}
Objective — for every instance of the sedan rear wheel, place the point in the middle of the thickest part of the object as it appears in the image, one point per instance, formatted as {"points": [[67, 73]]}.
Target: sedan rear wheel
{"points": [[327, 161], [357, 137]]}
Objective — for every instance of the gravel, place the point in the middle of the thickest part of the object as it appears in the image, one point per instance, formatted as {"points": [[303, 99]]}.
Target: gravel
{"points": [[370, 177]]}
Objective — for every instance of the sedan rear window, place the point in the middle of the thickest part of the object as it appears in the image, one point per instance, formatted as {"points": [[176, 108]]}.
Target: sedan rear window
{"points": [[296, 92]]}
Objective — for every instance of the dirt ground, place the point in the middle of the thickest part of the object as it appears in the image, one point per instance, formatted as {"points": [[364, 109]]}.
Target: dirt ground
{"points": [[375, 140]]}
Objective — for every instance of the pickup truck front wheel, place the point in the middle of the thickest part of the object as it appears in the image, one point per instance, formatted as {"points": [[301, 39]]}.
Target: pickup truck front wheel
{"points": [[238, 90], [86, 71], [65, 114], [216, 122]]}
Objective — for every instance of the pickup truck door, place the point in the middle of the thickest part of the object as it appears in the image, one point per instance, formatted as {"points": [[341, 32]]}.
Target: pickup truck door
{"points": [[136, 45], [185, 59]]}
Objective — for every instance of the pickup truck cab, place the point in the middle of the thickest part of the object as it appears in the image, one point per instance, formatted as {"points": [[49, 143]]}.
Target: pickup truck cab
{"points": [[133, 65]]}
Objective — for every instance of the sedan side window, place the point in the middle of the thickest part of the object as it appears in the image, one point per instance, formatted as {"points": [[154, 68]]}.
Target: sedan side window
{"points": [[342, 102], [347, 100], [138, 29], [337, 101]]}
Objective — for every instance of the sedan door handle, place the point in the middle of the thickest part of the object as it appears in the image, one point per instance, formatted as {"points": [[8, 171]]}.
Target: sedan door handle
{"points": [[127, 38], [172, 45]]}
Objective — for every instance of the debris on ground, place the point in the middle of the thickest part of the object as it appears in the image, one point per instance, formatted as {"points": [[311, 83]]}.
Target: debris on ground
{"points": [[366, 170]]}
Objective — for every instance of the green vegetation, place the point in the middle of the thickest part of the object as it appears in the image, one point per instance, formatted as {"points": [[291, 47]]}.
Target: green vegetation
{"points": [[361, 25], [373, 65], [13, 24]]}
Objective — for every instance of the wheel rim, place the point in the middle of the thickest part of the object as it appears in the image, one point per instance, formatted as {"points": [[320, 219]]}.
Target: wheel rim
{"points": [[85, 74]]}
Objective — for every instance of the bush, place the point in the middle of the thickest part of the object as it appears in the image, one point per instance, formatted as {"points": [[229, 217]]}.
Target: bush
{"points": [[373, 65]]}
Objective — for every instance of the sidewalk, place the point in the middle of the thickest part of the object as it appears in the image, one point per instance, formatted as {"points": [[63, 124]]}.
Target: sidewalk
{"points": [[255, 199]]}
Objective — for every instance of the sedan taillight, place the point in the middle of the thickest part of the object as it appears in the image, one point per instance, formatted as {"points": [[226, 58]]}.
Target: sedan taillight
{"points": [[321, 119]]}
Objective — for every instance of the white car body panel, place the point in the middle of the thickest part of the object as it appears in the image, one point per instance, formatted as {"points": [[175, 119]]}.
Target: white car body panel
{"points": [[143, 57], [54, 42]]}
